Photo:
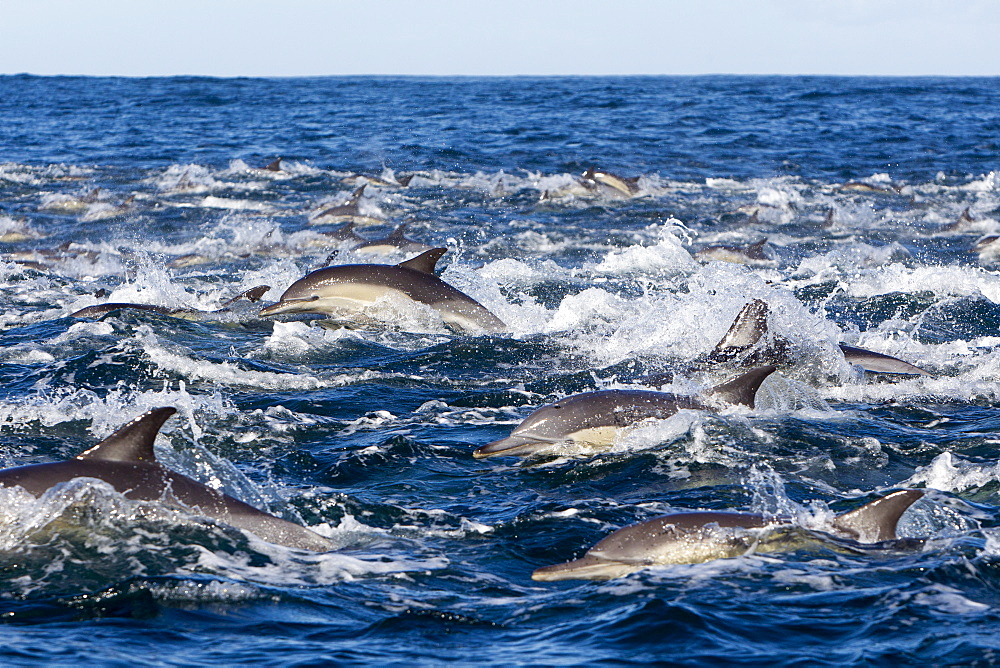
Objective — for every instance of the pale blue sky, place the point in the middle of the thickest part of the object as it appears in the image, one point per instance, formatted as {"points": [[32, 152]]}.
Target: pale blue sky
{"points": [[314, 37]]}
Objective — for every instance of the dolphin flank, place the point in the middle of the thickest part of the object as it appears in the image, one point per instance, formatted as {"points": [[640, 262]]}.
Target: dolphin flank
{"points": [[344, 291], [695, 537], [126, 461]]}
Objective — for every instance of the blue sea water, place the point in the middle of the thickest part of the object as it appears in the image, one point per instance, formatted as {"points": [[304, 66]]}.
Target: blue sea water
{"points": [[872, 194]]}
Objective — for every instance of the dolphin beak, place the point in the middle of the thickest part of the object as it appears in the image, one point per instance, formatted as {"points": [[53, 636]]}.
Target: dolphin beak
{"points": [[512, 445], [271, 309], [290, 306], [586, 567]]}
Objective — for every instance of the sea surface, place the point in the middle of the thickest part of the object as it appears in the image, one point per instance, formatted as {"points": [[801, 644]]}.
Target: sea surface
{"points": [[871, 193]]}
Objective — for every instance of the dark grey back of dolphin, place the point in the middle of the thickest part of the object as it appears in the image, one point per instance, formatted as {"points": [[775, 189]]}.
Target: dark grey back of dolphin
{"points": [[647, 543], [126, 461]]}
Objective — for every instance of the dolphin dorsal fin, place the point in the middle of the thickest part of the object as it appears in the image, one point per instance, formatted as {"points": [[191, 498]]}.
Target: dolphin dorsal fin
{"points": [[274, 166], [747, 329], [356, 195], [757, 250], [134, 441], [398, 233], [425, 262], [743, 389], [876, 521]]}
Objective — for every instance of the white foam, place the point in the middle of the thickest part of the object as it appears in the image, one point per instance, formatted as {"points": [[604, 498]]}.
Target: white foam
{"points": [[950, 473]]}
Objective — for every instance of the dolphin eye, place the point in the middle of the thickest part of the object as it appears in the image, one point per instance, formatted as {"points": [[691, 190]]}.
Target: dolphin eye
{"points": [[314, 298]]}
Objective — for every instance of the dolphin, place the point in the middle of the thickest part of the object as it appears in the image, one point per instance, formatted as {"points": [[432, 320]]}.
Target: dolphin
{"points": [[595, 418], [345, 290], [751, 254], [747, 344], [348, 211], [396, 241], [873, 362], [987, 248], [861, 186], [750, 327], [696, 537], [387, 180], [126, 461], [251, 295], [967, 223], [596, 178]]}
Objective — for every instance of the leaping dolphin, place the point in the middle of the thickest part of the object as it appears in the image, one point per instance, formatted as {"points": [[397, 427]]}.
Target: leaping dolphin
{"points": [[344, 291], [594, 419], [695, 537], [126, 461]]}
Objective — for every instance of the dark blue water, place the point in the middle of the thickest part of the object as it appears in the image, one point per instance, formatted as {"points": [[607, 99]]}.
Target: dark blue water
{"points": [[151, 191]]}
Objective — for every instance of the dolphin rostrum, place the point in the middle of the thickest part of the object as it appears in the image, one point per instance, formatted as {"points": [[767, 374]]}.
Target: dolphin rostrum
{"points": [[594, 418], [126, 461], [252, 295], [345, 290], [695, 537]]}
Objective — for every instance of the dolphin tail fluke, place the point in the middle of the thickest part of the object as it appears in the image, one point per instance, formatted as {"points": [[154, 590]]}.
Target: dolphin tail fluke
{"points": [[743, 389], [747, 329], [252, 295], [876, 521], [134, 441]]}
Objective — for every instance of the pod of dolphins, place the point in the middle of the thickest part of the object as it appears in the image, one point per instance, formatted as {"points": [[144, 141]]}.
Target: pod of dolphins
{"points": [[352, 294]]}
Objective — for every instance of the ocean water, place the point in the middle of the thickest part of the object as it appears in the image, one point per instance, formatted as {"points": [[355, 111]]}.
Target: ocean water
{"points": [[871, 194]]}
